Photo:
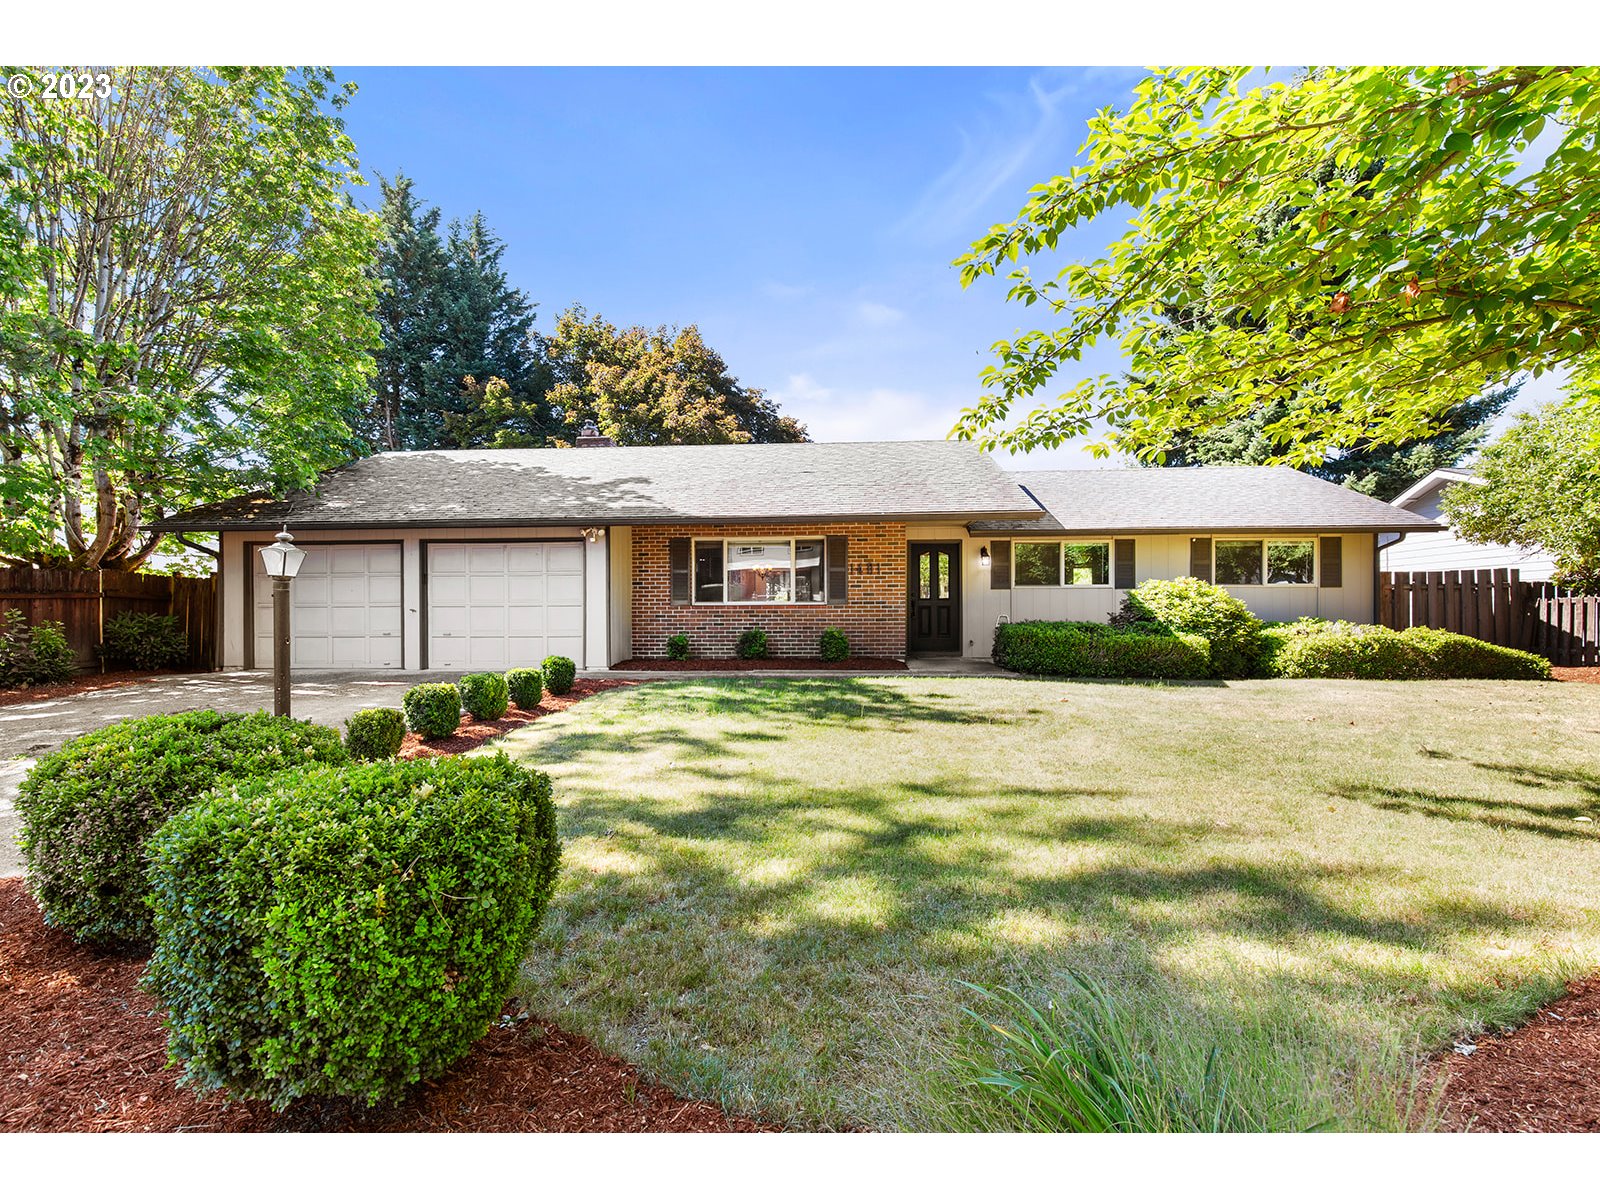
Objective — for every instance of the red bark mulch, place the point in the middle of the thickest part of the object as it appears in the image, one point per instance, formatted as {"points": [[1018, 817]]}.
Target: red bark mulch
{"points": [[1576, 674], [725, 665], [82, 1049], [474, 732], [76, 687], [1541, 1078]]}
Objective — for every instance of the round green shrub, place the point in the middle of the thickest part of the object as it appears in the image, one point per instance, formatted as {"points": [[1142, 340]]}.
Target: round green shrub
{"points": [[1190, 605], [559, 673], [347, 931], [374, 733], [145, 641], [433, 710], [89, 809], [834, 646], [485, 696], [753, 643], [525, 686], [678, 647]]}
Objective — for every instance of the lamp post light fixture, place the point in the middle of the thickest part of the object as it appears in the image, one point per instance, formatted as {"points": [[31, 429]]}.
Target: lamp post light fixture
{"points": [[282, 560]]}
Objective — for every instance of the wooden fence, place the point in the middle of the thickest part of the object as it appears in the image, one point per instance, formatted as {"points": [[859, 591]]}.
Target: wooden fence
{"points": [[1496, 606], [83, 601]]}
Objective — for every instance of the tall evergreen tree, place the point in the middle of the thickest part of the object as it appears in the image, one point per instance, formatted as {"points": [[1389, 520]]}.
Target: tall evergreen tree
{"points": [[487, 328], [411, 272]]}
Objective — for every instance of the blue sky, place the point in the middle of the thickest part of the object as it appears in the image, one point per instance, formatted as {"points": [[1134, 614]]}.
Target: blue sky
{"points": [[805, 219]]}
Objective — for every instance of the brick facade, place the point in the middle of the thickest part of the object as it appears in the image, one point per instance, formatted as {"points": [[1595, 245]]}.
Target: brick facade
{"points": [[873, 617]]}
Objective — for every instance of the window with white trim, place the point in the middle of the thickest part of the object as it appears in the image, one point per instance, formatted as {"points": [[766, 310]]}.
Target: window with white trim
{"points": [[1061, 564], [1249, 562], [760, 571]]}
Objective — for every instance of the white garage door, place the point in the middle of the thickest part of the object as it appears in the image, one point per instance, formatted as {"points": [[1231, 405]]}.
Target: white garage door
{"points": [[496, 605], [345, 610]]}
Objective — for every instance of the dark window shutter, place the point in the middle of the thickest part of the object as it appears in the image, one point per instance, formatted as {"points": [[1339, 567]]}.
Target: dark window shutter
{"points": [[678, 559], [838, 570], [1333, 562], [1200, 558], [999, 565], [1125, 574]]}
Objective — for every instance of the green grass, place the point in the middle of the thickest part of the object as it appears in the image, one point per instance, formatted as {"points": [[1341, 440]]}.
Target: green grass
{"points": [[772, 890]]}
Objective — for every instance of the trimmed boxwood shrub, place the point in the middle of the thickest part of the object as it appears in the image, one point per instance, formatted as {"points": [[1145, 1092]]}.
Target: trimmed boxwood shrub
{"points": [[678, 647], [146, 641], [834, 646], [89, 808], [525, 686], [1339, 650], [1190, 605], [374, 733], [1092, 650], [433, 710], [753, 643], [485, 696], [559, 673], [30, 654], [347, 931]]}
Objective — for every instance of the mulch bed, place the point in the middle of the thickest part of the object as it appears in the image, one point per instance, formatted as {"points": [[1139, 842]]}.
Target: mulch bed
{"points": [[76, 687], [1541, 1078], [474, 733], [724, 665], [82, 1049], [1576, 674]]}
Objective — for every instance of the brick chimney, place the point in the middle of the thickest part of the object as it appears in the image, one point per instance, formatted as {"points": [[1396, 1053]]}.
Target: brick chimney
{"points": [[590, 435]]}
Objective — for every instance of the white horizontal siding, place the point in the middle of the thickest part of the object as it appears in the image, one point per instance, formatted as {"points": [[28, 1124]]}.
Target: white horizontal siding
{"points": [[1446, 550]]}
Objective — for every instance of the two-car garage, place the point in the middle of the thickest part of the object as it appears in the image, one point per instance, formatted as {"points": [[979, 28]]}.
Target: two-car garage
{"points": [[486, 605]]}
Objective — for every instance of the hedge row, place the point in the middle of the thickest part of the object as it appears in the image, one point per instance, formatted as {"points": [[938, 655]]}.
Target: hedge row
{"points": [[1098, 651], [1316, 650]]}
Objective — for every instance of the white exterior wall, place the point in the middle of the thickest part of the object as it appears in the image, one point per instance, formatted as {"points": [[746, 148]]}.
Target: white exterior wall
{"points": [[1446, 550], [1156, 556], [236, 574]]}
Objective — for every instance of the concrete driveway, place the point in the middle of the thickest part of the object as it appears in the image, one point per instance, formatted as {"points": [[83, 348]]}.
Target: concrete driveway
{"points": [[29, 730]]}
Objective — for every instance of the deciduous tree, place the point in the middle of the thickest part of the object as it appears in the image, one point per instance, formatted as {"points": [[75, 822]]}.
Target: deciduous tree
{"points": [[184, 309], [1434, 232]]}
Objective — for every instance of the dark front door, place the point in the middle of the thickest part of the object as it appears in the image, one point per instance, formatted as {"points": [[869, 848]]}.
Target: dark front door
{"points": [[933, 602]]}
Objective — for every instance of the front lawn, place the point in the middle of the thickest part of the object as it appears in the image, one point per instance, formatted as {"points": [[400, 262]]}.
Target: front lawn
{"points": [[771, 887]]}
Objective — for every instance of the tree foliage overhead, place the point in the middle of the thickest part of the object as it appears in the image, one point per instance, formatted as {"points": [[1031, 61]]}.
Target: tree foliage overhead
{"points": [[184, 310], [449, 317], [1540, 489], [654, 387], [1371, 247], [1375, 468]]}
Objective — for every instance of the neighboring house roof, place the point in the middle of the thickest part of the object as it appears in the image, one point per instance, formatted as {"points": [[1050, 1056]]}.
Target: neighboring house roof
{"points": [[1433, 479], [1198, 499], [806, 481]]}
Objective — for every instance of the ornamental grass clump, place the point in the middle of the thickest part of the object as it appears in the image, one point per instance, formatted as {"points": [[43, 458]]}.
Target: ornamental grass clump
{"points": [[485, 696], [347, 932], [559, 672], [89, 808], [433, 710], [525, 686]]}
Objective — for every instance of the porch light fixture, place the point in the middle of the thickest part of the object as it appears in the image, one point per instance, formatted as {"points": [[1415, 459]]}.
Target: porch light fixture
{"points": [[594, 533], [983, 558], [282, 560]]}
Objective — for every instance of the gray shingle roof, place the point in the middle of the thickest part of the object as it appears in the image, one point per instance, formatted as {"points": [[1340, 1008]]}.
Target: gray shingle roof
{"points": [[1223, 499], [808, 481]]}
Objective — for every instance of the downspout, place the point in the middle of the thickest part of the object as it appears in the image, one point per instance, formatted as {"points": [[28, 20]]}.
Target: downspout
{"points": [[1378, 547]]}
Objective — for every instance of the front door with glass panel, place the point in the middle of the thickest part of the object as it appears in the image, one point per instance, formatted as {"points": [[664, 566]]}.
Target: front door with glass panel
{"points": [[933, 605]]}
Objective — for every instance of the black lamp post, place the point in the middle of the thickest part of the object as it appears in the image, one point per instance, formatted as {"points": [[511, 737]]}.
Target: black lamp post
{"points": [[282, 559]]}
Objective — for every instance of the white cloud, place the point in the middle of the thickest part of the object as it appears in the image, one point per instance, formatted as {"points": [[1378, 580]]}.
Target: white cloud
{"points": [[870, 414], [876, 315], [774, 290]]}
